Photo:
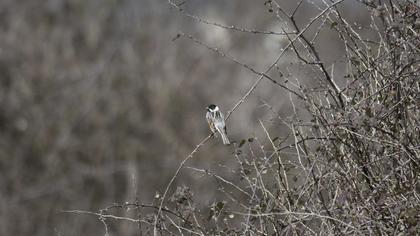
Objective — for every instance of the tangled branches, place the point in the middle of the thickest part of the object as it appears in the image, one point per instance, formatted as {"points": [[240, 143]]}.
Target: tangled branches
{"points": [[349, 160]]}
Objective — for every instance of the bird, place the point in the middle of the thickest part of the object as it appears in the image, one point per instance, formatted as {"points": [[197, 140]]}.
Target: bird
{"points": [[216, 122]]}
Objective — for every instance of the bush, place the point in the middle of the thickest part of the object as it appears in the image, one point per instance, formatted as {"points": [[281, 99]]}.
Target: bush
{"points": [[349, 161]]}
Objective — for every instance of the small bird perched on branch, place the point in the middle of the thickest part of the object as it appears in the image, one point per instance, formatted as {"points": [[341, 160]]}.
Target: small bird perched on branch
{"points": [[216, 122]]}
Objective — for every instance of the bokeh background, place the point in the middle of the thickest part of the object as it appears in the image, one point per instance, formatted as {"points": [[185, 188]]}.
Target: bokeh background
{"points": [[100, 101]]}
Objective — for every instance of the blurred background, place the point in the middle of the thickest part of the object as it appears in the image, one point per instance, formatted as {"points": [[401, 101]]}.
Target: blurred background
{"points": [[99, 102]]}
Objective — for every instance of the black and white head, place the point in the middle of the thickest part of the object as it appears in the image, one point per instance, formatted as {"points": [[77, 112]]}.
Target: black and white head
{"points": [[212, 108]]}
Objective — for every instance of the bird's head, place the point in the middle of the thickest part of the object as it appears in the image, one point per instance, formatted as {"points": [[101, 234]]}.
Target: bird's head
{"points": [[212, 108]]}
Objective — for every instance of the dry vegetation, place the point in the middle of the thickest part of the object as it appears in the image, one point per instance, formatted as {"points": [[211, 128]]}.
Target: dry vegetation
{"points": [[102, 102]]}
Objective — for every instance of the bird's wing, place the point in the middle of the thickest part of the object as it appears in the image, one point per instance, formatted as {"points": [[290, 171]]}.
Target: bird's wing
{"points": [[209, 121], [222, 119], [221, 116]]}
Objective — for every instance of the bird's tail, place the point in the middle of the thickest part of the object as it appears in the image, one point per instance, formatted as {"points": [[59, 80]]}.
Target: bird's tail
{"points": [[225, 138]]}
